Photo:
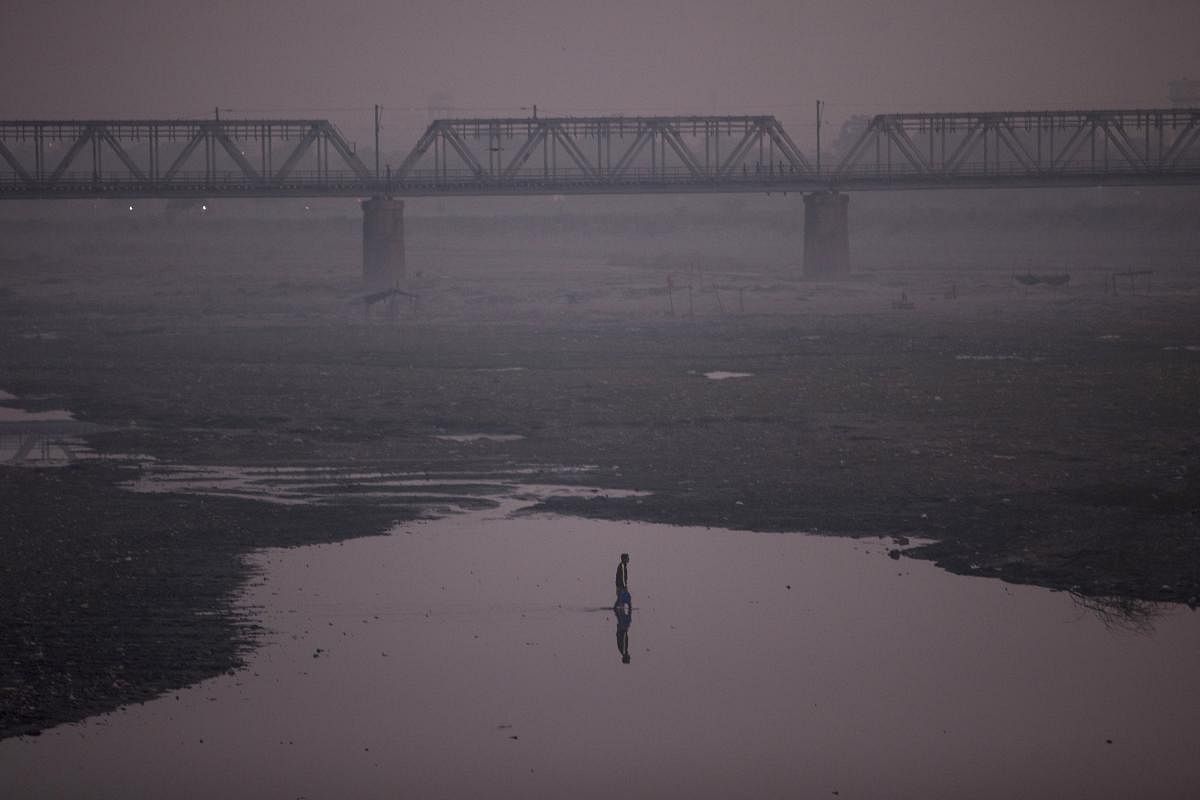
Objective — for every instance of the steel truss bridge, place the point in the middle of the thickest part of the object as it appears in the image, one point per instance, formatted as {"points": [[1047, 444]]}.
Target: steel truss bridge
{"points": [[207, 159]]}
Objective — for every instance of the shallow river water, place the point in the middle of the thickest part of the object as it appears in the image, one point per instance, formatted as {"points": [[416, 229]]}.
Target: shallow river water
{"points": [[477, 656]]}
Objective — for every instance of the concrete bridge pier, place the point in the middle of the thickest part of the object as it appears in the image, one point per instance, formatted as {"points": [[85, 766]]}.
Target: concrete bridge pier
{"points": [[383, 242], [826, 234]]}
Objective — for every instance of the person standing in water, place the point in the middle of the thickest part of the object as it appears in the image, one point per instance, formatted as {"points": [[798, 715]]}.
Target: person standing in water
{"points": [[623, 597]]}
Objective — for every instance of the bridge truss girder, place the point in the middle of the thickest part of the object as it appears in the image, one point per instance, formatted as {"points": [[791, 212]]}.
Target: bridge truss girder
{"points": [[153, 156], [603, 150], [1024, 148], [595, 155]]}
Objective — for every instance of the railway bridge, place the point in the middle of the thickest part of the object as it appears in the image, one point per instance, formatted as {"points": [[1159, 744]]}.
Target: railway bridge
{"points": [[214, 158]]}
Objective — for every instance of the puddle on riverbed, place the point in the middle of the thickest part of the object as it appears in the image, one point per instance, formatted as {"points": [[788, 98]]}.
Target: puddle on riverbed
{"points": [[10, 416], [32, 448], [437, 492], [480, 437], [965, 357], [476, 656], [40, 438]]}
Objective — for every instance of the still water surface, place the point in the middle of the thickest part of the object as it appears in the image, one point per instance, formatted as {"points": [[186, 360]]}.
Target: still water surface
{"points": [[476, 656]]}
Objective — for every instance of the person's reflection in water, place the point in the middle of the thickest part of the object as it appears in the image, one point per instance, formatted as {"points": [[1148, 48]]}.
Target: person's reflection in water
{"points": [[624, 620]]}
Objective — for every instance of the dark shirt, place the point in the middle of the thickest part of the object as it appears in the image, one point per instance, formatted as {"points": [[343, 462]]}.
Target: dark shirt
{"points": [[622, 575]]}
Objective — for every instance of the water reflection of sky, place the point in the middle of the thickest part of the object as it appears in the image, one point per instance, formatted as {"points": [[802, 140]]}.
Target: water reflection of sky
{"points": [[475, 657]]}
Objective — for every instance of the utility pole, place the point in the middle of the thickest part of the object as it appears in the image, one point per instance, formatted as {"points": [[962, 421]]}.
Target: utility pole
{"points": [[376, 140], [818, 137]]}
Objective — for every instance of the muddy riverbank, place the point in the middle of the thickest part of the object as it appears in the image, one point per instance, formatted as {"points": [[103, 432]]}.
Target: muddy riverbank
{"points": [[1044, 435]]}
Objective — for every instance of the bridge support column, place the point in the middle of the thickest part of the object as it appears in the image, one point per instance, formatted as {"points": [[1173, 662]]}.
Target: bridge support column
{"points": [[383, 242], [826, 234]]}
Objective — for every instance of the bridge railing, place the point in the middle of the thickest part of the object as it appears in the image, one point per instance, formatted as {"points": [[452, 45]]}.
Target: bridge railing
{"points": [[445, 177], [464, 182]]}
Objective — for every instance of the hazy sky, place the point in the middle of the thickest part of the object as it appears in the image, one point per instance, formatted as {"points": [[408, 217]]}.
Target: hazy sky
{"points": [[336, 59]]}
